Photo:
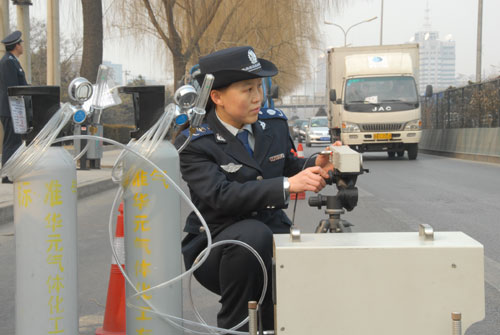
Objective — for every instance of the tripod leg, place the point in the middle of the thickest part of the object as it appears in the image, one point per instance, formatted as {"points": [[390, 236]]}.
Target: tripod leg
{"points": [[323, 227]]}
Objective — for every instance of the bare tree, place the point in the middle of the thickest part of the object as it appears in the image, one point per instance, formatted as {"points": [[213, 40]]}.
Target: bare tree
{"points": [[279, 30], [92, 38]]}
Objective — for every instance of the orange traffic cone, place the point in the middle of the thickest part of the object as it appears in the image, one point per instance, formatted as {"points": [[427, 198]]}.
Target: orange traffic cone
{"points": [[114, 316], [300, 195], [293, 152], [300, 151]]}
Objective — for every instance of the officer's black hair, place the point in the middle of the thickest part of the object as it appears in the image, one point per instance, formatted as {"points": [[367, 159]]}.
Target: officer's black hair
{"points": [[10, 47]]}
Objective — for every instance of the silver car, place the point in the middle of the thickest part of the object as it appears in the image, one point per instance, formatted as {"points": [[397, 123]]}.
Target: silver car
{"points": [[318, 132]]}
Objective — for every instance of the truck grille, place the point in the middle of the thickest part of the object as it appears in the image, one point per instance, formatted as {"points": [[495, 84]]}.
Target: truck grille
{"points": [[381, 126]]}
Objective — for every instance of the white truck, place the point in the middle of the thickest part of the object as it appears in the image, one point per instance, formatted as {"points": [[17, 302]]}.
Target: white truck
{"points": [[373, 100]]}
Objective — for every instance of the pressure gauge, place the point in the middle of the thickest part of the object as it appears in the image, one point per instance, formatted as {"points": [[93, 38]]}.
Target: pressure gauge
{"points": [[185, 96], [80, 90], [79, 116]]}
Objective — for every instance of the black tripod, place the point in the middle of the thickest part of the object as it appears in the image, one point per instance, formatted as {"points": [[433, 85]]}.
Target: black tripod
{"points": [[346, 197]]}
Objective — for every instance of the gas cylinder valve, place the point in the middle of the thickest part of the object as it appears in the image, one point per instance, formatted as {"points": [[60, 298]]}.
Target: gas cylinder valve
{"points": [[80, 90]]}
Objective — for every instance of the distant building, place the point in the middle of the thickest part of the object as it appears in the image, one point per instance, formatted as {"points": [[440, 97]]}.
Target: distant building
{"points": [[117, 71], [437, 58]]}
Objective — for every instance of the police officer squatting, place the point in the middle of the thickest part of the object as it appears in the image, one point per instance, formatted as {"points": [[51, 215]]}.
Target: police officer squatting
{"points": [[11, 74], [240, 172]]}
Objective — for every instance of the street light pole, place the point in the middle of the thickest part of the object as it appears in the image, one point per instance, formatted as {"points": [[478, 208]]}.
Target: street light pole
{"points": [[347, 31], [381, 20], [479, 39]]}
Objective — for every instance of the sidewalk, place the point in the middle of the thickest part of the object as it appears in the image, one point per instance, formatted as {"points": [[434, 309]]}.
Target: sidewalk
{"points": [[89, 182]]}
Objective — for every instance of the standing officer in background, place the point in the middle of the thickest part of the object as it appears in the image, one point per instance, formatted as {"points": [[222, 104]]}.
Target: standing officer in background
{"points": [[11, 74], [240, 173]]}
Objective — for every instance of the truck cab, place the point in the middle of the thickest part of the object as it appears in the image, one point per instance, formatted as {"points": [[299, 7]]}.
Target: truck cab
{"points": [[373, 98]]}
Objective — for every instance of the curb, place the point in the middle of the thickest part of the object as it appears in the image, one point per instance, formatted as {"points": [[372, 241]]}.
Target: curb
{"points": [[83, 191], [460, 155]]}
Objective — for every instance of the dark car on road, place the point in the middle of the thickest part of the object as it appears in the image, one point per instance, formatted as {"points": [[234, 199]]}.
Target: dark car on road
{"points": [[299, 129]]}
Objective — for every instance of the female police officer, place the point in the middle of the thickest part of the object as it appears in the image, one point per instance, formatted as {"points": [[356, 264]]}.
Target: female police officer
{"points": [[240, 172]]}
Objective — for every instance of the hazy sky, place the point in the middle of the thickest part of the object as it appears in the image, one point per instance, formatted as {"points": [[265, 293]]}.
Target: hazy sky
{"points": [[402, 18]]}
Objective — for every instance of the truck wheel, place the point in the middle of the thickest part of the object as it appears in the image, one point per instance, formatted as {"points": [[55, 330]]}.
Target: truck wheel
{"points": [[308, 144], [401, 153], [391, 154], [412, 151]]}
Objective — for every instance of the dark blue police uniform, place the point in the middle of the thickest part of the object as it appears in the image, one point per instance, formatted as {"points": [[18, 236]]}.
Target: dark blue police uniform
{"points": [[241, 197], [11, 74]]}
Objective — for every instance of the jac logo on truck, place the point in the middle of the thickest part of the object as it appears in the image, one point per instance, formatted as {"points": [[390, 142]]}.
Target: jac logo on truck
{"points": [[381, 109]]}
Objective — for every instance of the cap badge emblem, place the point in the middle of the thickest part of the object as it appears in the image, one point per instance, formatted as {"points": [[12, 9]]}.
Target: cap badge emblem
{"points": [[252, 56]]}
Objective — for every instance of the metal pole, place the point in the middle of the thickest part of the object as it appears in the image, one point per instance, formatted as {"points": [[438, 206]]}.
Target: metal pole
{"points": [[4, 27], [23, 24], [381, 20], [456, 323], [479, 39], [305, 97], [53, 58], [252, 317]]}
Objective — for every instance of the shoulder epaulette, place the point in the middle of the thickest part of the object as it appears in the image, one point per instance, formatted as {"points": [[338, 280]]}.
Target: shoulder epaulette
{"points": [[201, 131], [271, 113]]}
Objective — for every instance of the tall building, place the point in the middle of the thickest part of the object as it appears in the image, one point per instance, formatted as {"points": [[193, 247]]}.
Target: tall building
{"points": [[117, 70], [437, 58]]}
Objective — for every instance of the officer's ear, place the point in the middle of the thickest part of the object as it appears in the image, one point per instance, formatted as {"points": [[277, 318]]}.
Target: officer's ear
{"points": [[216, 97]]}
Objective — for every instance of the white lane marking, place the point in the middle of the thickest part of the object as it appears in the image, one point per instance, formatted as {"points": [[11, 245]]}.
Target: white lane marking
{"points": [[364, 193], [404, 218]]}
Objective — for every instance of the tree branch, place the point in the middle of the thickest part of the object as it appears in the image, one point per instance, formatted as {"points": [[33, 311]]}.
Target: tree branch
{"points": [[155, 23]]}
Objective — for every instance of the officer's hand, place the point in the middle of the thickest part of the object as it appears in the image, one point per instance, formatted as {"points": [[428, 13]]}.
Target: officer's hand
{"points": [[310, 179], [323, 161]]}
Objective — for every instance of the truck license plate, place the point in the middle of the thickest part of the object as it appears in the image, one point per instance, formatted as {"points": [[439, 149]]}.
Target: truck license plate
{"points": [[382, 136], [325, 138]]}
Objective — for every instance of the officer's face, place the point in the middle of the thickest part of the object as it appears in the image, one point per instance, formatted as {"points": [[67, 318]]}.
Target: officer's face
{"points": [[19, 48], [239, 103]]}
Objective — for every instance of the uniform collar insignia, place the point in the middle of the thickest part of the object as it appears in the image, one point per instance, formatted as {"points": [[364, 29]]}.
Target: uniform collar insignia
{"points": [[262, 124], [200, 131], [219, 138], [231, 167]]}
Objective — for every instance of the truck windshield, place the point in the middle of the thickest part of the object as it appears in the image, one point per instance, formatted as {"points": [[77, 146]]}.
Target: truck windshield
{"points": [[376, 90]]}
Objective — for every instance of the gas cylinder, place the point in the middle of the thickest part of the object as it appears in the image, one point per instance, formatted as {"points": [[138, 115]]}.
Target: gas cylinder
{"points": [[151, 221], [45, 229], [46, 252], [152, 238]]}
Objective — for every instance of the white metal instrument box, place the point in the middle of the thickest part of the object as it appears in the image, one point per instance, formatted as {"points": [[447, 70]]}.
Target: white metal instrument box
{"points": [[377, 283]]}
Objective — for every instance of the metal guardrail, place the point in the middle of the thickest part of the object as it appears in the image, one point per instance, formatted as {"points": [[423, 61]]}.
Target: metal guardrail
{"points": [[471, 106], [295, 106]]}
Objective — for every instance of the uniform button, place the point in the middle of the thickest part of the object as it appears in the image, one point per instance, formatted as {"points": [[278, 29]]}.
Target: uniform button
{"points": [[260, 177], [254, 213], [201, 229]]}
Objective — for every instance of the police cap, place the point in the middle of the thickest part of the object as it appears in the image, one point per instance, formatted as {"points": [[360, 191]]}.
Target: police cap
{"points": [[12, 38], [234, 64]]}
